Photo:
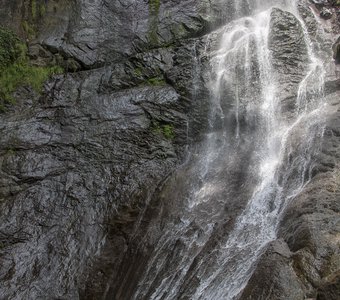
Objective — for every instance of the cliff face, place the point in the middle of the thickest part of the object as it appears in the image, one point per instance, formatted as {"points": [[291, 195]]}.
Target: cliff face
{"points": [[81, 159], [80, 162]]}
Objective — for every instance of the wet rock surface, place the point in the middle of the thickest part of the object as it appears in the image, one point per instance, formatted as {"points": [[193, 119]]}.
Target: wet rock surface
{"points": [[65, 167], [79, 163], [309, 233], [289, 53]]}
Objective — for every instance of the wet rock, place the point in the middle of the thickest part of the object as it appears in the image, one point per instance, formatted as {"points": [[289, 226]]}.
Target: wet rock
{"points": [[320, 3], [95, 33], [336, 51], [289, 54], [79, 163], [325, 13], [280, 282], [66, 165]]}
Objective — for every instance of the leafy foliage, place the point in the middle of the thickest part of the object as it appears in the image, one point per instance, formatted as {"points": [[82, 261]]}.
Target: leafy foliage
{"points": [[16, 70], [9, 50], [167, 130]]}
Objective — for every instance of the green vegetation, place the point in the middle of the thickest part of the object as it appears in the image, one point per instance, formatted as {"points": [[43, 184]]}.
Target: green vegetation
{"points": [[9, 50], [28, 29], [138, 72], [34, 9], [42, 10], [16, 70], [20, 74], [155, 81], [154, 6], [167, 130]]}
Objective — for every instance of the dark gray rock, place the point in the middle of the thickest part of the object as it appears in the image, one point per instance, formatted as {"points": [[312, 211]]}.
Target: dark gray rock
{"points": [[274, 277], [83, 158], [289, 55], [69, 163], [79, 163], [308, 266], [100, 32], [336, 51], [325, 13]]}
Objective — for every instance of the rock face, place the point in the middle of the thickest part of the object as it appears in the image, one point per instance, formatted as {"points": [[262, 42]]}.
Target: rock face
{"points": [[336, 51], [289, 53], [67, 161], [99, 32], [305, 264], [82, 159], [80, 162], [304, 261]]}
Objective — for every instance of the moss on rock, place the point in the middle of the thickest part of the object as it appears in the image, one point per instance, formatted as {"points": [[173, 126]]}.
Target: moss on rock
{"points": [[16, 70], [9, 50]]}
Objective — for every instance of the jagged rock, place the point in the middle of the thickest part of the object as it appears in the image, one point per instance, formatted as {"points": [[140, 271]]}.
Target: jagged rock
{"points": [[289, 54], [326, 13], [81, 156], [274, 277], [99, 32], [336, 51], [320, 3], [79, 162], [57, 180]]}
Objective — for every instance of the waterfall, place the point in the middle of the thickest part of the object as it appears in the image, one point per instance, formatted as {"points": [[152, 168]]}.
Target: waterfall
{"points": [[255, 155]]}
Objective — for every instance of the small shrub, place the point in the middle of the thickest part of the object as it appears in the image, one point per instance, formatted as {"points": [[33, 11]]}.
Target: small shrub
{"points": [[28, 29], [15, 69], [42, 10], [8, 47], [154, 6], [155, 81], [20, 74], [167, 130], [138, 72], [34, 9]]}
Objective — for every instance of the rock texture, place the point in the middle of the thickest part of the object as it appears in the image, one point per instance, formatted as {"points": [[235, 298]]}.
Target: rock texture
{"points": [[289, 53], [304, 262], [82, 159], [79, 163]]}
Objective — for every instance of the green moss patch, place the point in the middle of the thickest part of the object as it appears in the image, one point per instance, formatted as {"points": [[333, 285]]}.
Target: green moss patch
{"points": [[167, 130], [9, 47], [155, 81], [16, 70]]}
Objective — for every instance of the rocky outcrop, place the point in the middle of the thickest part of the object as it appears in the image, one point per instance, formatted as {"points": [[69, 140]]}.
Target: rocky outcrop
{"points": [[80, 162], [336, 51], [304, 261], [290, 56], [99, 32], [70, 162], [309, 231]]}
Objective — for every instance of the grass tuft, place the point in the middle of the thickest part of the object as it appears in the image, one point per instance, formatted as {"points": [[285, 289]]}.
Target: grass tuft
{"points": [[16, 70]]}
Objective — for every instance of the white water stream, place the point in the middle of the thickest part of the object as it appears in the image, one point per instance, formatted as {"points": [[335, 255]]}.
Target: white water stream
{"points": [[250, 136]]}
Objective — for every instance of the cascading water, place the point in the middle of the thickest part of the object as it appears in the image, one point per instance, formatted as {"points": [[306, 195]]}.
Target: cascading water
{"points": [[255, 153]]}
